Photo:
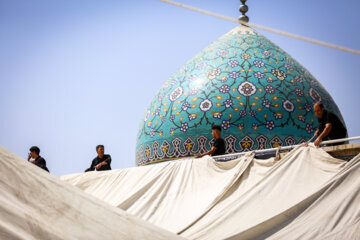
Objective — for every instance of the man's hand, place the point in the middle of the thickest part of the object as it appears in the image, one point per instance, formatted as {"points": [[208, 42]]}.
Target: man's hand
{"points": [[317, 142], [98, 166], [199, 156], [29, 156]]}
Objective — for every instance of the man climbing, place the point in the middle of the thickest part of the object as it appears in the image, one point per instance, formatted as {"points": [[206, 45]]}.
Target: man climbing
{"points": [[218, 147], [38, 160], [101, 162], [330, 127]]}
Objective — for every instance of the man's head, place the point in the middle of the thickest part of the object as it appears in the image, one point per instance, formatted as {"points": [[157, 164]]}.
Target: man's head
{"points": [[216, 131], [34, 152], [319, 109], [100, 150]]}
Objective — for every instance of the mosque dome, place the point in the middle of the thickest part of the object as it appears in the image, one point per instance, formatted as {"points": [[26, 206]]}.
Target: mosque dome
{"points": [[259, 95]]}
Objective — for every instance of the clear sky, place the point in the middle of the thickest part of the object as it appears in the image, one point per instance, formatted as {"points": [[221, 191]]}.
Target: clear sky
{"points": [[74, 74]]}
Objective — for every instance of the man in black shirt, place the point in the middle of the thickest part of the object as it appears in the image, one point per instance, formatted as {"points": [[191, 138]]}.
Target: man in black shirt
{"points": [[101, 162], [330, 126], [38, 161], [218, 147]]}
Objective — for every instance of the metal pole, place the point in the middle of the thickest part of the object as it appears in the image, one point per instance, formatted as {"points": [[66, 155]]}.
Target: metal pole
{"points": [[287, 147], [340, 140]]}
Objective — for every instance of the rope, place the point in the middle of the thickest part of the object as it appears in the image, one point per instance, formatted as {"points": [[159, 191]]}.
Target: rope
{"points": [[277, 155], [291, 35]]}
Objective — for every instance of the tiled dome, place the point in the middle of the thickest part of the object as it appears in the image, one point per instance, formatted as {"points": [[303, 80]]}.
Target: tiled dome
{"points": [[258, 93]]}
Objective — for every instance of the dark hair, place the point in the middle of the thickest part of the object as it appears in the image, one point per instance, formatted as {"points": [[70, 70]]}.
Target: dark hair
{"points": [[99, 146], [216, 127], [35, 149], [320, 104]]}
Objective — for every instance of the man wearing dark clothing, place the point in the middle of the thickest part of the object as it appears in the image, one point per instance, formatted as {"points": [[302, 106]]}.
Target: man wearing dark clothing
{"points": [[218, 147], [101, 162], [330, 127], [38, 160]]}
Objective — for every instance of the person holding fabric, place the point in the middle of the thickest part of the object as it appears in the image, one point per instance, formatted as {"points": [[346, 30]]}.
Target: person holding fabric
{"points": [[101, 162], [330, 127], [38, 160], [218, 147]]}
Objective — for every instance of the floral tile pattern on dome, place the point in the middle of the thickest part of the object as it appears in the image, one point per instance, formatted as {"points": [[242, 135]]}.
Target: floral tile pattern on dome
{"points": [[257, 93]]}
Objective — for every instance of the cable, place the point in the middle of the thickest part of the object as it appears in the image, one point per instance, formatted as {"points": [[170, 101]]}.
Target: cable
{"points": [[325, 44]]}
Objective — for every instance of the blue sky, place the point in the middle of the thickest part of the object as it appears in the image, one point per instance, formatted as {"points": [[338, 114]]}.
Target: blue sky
{"points": [[74, 74]]}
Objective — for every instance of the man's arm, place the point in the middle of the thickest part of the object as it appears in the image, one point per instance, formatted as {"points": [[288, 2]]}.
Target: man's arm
{"points": [[103, 163], [316, 132], [108, 160], [324, 133], [212, 150]]}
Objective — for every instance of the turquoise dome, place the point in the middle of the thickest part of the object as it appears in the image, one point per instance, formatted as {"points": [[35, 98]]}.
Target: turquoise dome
{"points": [[259, 94]]}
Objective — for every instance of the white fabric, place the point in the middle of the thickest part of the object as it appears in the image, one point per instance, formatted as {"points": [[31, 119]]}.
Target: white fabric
{"points": [[36, 205], [308, 194]]}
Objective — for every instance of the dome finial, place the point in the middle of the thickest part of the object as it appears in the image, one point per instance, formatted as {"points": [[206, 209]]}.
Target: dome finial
{"points": [[243, 9]]}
